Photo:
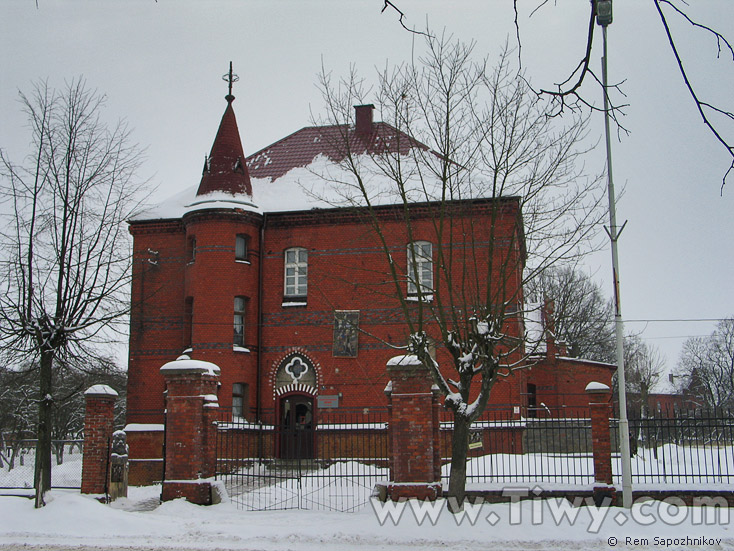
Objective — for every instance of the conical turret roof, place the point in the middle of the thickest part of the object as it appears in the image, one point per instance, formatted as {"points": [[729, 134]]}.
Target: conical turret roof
{"points": [[225, 170]]}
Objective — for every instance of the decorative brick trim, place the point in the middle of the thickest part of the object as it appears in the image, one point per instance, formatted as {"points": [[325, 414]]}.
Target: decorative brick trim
{"points": [[276, 365], [297, 387]]}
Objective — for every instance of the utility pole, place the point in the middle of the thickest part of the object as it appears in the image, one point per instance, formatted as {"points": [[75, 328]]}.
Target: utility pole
{"points": [[604, 19]]}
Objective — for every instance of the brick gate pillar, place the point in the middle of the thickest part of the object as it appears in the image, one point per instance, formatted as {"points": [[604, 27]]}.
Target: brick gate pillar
{"points": [[600, 409], [190, 453], [415, 457], [99, 421]]}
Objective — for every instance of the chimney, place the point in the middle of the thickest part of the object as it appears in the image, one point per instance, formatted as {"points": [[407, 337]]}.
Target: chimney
{"points": [[549, 327], [363, 118]]}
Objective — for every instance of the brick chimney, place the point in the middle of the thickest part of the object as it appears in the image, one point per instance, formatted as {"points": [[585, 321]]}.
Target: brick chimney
{"points": [[363, 118], [549, 327]]}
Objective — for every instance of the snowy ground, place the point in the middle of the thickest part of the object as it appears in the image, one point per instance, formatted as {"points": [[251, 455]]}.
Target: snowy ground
{"points": [[75, 522]]}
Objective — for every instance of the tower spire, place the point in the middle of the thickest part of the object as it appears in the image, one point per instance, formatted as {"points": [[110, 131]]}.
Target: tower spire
{"points": [[225, 169], [230, 78]]}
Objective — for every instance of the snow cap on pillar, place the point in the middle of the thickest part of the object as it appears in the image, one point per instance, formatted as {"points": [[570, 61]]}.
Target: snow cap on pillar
{"points": [[184, 364], [101, 390]]}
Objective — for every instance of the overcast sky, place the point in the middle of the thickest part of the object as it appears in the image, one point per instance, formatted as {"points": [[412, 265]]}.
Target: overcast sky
{"points": [[161, 63]]}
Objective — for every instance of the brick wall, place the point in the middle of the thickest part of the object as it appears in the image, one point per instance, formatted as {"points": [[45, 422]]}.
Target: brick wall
{"points": [[145, 443], [347, 271]]}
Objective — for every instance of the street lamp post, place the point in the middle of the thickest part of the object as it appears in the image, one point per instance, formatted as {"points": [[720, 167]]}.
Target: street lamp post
{"points": [[604, 19]]}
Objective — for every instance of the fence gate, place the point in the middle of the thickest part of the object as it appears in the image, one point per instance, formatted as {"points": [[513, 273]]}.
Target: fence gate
{"points": [[329, 462]]}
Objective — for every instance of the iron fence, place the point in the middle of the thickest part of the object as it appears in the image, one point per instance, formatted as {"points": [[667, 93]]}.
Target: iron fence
{"points": [[676, 446], [506, 446], [330, 461], [17, 460]]}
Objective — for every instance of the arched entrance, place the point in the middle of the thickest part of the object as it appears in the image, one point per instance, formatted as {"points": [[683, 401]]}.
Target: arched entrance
{"points": [[295, 389], [296, 427]]}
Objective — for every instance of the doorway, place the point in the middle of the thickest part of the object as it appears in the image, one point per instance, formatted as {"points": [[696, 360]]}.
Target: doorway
{"points": [[296, 427]]}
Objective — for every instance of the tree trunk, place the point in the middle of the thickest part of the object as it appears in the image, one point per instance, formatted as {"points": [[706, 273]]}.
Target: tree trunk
{"points": [[42, 475], [459, 450]]}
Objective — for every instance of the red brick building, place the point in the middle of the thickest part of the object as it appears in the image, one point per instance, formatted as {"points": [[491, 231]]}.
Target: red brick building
{"points": [[289, 295]]}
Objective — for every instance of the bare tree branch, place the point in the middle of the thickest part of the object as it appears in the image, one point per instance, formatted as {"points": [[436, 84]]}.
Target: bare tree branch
{"points": [[389, 4], [701, 106]]}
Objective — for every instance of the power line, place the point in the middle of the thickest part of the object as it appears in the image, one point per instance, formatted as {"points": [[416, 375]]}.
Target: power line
{"points": [[674, 320]]}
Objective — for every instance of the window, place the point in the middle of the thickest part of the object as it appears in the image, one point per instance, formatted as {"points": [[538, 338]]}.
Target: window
{"points": [[191, 249], [420, 267], [296, 273], [239, 399], [241, 246], [188, 322], [239, 321]]}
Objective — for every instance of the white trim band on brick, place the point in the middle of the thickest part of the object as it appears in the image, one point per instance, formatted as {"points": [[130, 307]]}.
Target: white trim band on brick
{"points": [[297, 387]]}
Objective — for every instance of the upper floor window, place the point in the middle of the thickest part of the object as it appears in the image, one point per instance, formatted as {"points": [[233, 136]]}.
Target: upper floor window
{"points": [[296, 273], [241, 246], [191, 248], [420, 267], [239, 321]]}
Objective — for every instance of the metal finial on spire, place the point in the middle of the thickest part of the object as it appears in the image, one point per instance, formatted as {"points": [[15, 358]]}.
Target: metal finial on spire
{"points": [[230, 78]]}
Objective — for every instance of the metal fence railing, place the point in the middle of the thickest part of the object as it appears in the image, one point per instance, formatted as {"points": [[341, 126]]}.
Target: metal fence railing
{"points": [[17, 460], [675, 446], [506, 447], [327, 460]]}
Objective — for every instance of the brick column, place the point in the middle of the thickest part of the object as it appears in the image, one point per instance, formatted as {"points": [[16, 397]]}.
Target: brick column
{"points": [[413, 431], [191, 395], [99, 420], [600, 409]]}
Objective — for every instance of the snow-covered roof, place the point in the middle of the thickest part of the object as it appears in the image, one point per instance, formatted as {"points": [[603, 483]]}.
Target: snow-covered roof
{"points": [[597, 387], [320, 184]]}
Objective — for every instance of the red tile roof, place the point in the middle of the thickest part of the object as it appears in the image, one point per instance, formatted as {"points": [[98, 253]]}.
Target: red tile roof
{"points": [[334, 142], [226, 169]]}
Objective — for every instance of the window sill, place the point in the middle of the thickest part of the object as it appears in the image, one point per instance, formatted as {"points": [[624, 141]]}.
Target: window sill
{"points": [[236, 348], [416, 298], [240, 261], [294, 303]]}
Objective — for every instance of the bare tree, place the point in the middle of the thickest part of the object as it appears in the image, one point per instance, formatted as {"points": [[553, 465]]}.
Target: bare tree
{"points": [[706, 366], [583, 317], [570, 93], [19, 404], [65, 250], [487, 138], [643, 364]]}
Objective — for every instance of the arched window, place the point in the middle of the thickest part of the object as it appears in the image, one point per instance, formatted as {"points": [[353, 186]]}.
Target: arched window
{"points": [[296, 274], [420, 267]]}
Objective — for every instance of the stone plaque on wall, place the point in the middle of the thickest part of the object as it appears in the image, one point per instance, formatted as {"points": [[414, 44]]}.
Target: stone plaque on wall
{"points": [[346, 332]]}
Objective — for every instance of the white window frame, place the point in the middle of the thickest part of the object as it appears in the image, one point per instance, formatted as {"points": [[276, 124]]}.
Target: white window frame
{"points": [[241, 242], [238, 399], [240, 309], [420, 268], [295, 273]]}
